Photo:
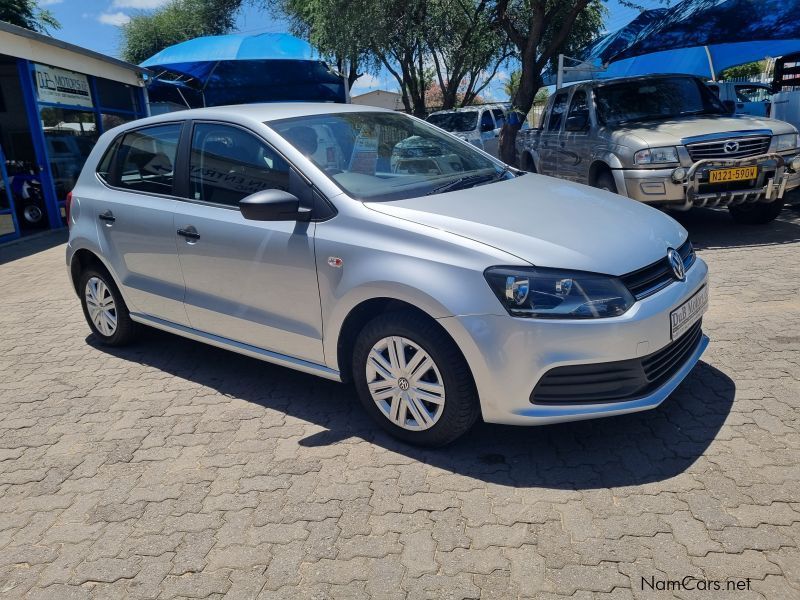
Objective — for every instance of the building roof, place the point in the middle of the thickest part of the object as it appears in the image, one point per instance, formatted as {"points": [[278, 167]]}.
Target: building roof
{"points": [[24, 43]]}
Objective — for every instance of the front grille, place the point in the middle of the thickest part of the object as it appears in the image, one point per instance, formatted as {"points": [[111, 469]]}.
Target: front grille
{"points": [[748, 146], [654, 277], [616, 381]]}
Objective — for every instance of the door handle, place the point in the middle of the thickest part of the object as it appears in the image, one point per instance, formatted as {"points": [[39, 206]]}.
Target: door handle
{"points": [[190, 233], [107, 216]]}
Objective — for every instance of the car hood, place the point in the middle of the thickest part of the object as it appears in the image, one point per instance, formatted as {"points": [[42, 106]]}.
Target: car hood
{"points": [[549, 223], [672, 132]]}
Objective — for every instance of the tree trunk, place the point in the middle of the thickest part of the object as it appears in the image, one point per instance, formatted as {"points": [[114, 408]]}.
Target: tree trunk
{"points": [[523, 102]]}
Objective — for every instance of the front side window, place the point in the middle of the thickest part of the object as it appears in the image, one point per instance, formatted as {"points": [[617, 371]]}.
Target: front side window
{"points": [[499, 117], [228, 164], [487, 122], [557, 112], [655, 99], [578, 115], [376, 156], [146, 159]]}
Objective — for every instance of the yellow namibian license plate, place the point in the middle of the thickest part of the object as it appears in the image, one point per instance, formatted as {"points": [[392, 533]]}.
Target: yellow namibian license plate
{"points": [[735, 174]]}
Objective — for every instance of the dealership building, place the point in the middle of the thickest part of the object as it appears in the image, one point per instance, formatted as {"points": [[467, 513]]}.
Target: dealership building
{"points": [[55, 100]]}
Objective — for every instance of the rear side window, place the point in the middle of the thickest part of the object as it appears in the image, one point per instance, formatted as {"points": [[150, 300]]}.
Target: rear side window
{"points": [[105, 165], [146, 159], [228, 164], [487, 123]]}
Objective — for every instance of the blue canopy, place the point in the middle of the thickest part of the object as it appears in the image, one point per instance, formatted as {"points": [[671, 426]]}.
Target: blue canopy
{"points": [[241, 69], [697, 37], [197, 58]]}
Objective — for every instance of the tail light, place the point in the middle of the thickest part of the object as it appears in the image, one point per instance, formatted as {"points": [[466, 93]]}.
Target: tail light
{"points": [[67, 206]]}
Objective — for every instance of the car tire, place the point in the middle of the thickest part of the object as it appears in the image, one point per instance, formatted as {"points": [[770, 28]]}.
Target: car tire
{"points": [[605, 181], [104, 309], [394, 397], [756, 213]]}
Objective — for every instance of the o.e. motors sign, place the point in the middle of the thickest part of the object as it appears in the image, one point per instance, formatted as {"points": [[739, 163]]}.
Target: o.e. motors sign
{"points": [[62, 87]]}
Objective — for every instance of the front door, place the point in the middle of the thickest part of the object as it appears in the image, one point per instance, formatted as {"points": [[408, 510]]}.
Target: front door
{"points": [[549, 138], [489, 133], [574, 145], [135, 220], [254, 282]]}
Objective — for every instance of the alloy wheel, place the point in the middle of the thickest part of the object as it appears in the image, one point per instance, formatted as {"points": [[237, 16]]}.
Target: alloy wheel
{"points": [[405, 383], [100, 303]]}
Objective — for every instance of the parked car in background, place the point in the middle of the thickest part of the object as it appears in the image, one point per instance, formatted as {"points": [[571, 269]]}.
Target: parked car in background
{"points": [[666, 140], [743, 98], [445, 297], [478, 125]]}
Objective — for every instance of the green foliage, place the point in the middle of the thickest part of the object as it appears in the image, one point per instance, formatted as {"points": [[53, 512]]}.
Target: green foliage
{"points": [[27, 14], [178, 21], [743, 71], [451, 43], [511, 85]]}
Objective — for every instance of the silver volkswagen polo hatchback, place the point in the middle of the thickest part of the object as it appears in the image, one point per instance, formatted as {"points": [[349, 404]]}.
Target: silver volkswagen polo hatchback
{"points": [[370, 247]]}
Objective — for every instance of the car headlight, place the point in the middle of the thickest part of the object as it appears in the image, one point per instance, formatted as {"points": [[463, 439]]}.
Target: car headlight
{"points": [[785, 141], [651, 156], [556, 294]]}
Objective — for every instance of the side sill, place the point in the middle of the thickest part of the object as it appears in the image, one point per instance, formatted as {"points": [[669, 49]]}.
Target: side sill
{"points": [[227, 344]]}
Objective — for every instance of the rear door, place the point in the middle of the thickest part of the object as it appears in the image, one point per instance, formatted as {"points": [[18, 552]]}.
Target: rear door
{"points": [[134, 220], [254, 282], [549, 143], [574, 145]]}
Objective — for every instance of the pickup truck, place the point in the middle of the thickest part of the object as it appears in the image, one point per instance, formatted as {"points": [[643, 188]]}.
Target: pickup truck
{"points": [[666, 140]]}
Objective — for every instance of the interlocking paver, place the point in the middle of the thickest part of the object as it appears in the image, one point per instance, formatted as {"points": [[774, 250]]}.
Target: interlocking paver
{"points": [[172, 469]]}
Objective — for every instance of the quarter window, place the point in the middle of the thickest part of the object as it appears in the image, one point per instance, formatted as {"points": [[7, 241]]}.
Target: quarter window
{"points": [[557, 112], [147, 159], [228, 164]]}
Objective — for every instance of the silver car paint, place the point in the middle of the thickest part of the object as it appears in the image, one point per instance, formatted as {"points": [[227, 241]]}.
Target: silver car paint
{"points": [[427, 252]]}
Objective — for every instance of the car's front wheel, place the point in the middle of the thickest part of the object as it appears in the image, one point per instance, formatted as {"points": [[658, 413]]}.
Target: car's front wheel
{"points": [[413, 380], [104, 309], [756, 213]]}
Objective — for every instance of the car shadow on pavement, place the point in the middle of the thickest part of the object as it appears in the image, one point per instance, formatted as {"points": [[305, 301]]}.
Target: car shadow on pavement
{"points": [[31, 244], [714, 228], [619, 451]]}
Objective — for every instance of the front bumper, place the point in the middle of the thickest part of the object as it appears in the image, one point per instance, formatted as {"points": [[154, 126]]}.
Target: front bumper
{"points": [[656, 186], [508, 356]]}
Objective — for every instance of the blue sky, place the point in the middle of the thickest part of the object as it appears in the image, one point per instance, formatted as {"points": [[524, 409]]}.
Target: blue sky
{"points": [[95, 24]]}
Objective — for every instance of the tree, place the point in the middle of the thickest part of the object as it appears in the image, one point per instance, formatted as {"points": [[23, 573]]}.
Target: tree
{"points": [[27, 14], [511, 85], [744, 71], [540, 30], [179, 20], [454, 43], [434, 98]]}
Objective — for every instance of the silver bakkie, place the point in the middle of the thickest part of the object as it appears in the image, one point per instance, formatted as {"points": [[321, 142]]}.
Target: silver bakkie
{"points": [[666, 140], [366, 246]]}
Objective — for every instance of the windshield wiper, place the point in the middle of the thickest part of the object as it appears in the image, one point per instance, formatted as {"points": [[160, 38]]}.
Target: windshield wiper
{"points": [[459, 182]]}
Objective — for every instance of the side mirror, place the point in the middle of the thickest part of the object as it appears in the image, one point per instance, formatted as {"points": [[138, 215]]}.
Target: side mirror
{"points": [[273, 205], [579, 122]]}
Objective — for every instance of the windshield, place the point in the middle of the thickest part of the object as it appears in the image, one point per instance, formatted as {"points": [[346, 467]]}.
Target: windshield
{"points": [[387, 156], [456, 121], [655, 99]]}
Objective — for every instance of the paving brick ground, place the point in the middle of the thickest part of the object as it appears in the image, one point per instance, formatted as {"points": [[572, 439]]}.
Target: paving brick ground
{"points": [[172, 469]]}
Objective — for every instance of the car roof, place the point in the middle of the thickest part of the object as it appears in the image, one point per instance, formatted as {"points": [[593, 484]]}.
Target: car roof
{"points": [[612, 80], [264, 112], [504, 106]]}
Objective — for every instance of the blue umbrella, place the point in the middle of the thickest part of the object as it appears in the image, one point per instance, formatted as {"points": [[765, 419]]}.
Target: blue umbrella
{"points": [[243, 68]]}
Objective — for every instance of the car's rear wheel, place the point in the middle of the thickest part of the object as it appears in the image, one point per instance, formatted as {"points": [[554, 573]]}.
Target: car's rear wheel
{"points": [[104, 309], [413, 380], [756, 213]]}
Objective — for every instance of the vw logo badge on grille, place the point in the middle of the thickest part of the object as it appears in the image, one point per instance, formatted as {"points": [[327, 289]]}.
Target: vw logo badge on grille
{"points": [[676, 262], [731, 147]]}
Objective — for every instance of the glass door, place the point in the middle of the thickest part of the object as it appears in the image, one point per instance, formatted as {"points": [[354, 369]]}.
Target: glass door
{"points": [[8, 219]]}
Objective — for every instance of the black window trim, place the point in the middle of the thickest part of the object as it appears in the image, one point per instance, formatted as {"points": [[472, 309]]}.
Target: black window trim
{"points": [[115, 161], [184, 160]]}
